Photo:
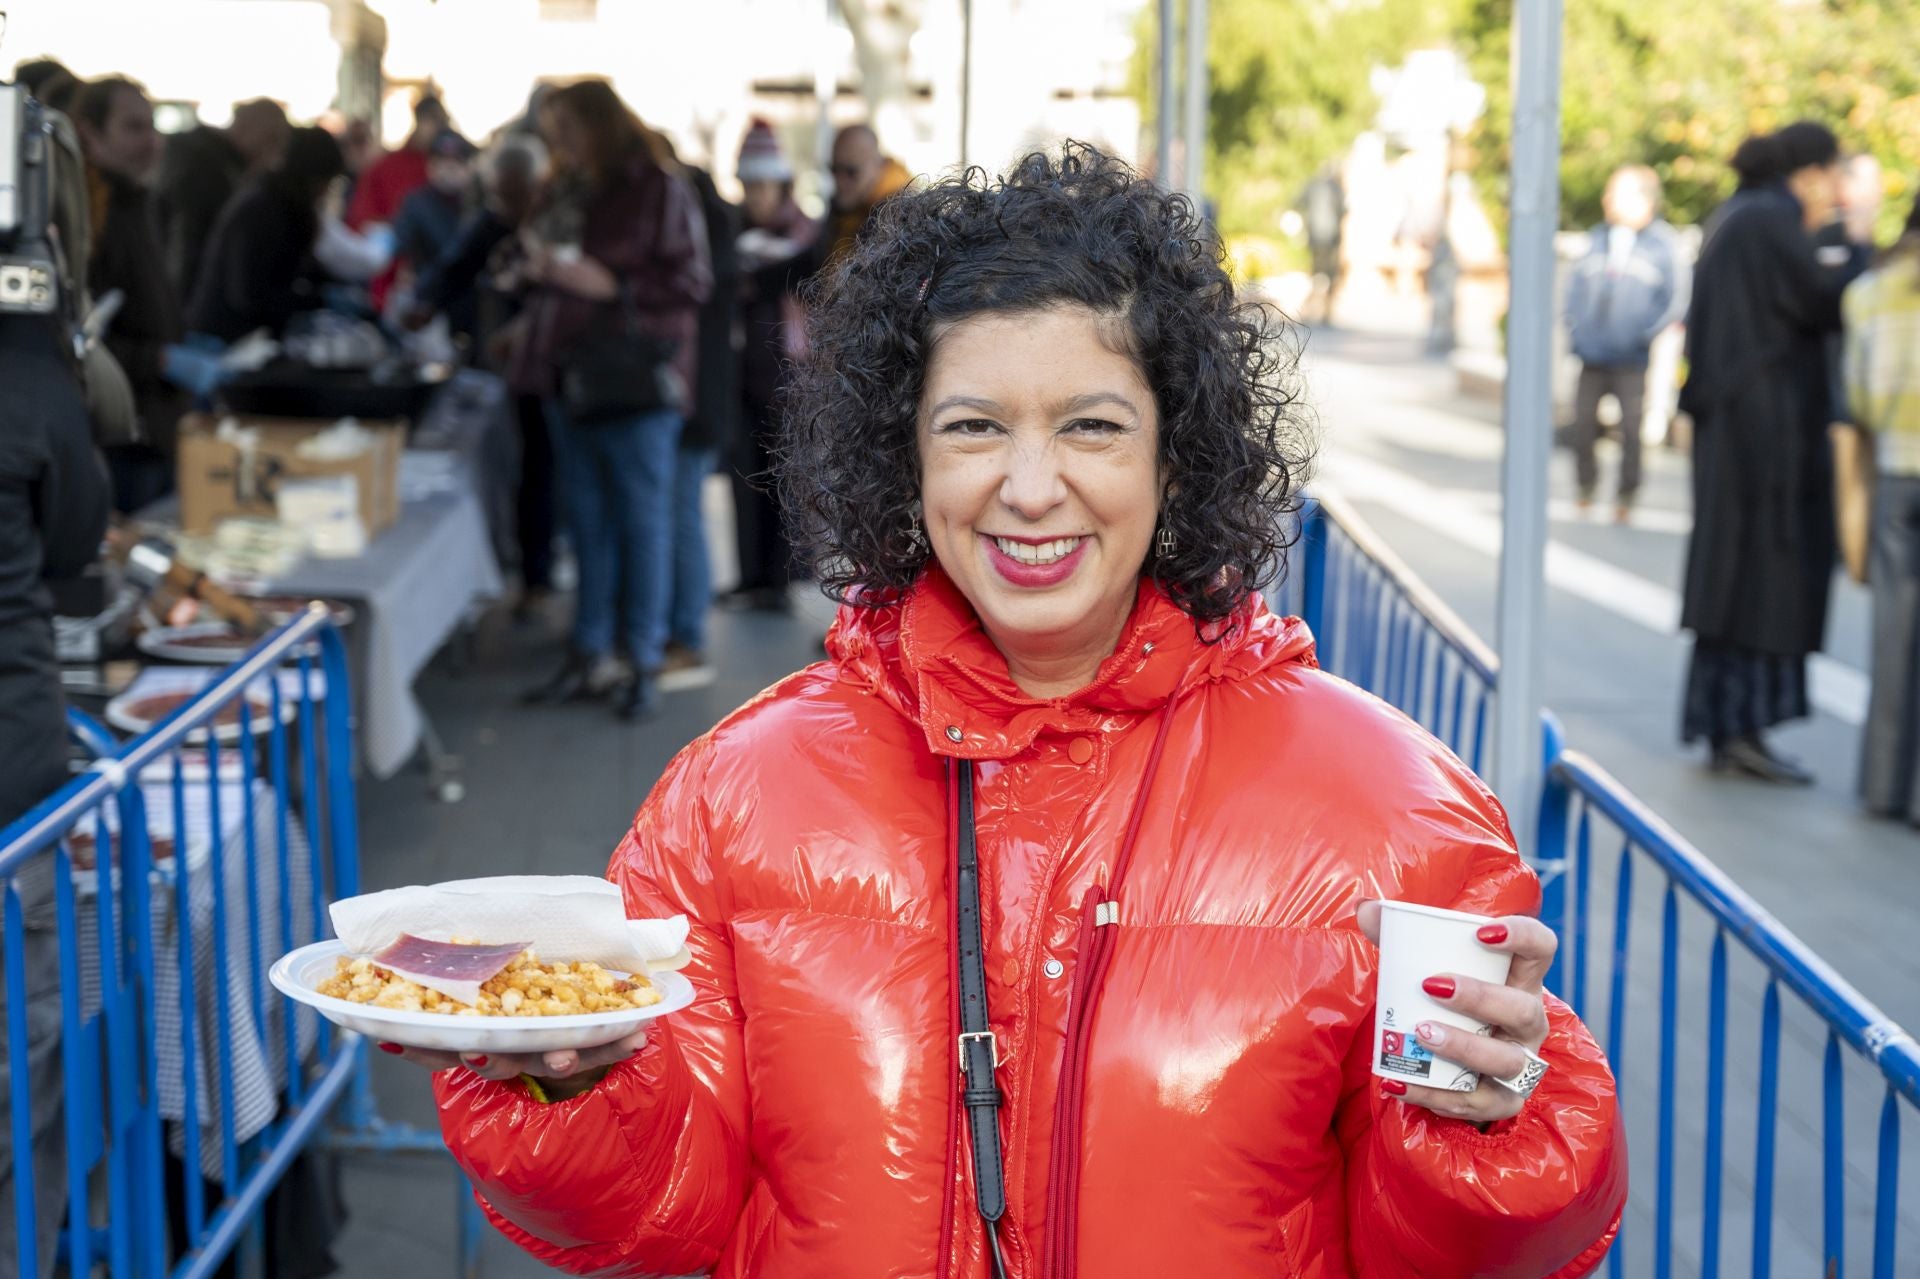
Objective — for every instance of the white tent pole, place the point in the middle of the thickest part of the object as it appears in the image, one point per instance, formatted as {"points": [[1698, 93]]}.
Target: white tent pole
{"points": [[1534, 216], [1196, 114]]}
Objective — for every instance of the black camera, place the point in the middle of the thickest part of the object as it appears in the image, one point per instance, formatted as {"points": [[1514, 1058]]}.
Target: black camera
{"points": [[29, 269]]}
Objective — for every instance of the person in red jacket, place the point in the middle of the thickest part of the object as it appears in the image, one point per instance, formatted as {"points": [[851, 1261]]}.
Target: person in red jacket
{"points": [[1066, 781]]}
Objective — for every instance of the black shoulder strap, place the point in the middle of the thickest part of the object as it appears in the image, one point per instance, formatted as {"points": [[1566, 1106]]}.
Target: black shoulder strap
{"points": [[979, 1052]]}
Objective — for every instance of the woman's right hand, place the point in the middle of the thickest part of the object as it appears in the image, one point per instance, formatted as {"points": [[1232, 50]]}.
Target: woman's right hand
{"points": [[561, 1074]]}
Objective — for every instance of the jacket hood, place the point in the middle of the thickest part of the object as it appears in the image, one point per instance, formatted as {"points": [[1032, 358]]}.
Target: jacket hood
{"points": [[929, 658]]}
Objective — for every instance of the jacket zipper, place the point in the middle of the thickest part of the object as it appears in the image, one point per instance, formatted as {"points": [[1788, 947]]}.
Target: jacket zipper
{"points": [[1093, 955], [950, 1195]]}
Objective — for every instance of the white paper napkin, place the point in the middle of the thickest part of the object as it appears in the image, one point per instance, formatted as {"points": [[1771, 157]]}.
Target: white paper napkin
{"points": [[564, 918]]}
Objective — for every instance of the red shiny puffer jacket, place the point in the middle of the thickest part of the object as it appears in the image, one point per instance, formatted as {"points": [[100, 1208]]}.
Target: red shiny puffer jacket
{"points": [[800, 1120]]}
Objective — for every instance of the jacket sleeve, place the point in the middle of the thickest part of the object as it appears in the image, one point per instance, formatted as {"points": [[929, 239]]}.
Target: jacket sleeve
{"points": [[1805, 291], [664, 261], [1680, 286], [72, 497], [646, 1173], [1537, 1195]]}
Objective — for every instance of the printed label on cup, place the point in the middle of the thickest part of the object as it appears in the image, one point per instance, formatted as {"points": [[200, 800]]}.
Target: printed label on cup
{"points": [[1418, 942]]}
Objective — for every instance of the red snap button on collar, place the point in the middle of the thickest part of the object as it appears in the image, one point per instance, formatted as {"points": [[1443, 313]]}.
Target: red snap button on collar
{"points": [[1080, 750]]}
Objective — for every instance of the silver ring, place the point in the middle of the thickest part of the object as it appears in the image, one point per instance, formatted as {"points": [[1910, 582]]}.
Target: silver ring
{"points": [[1530, 1074]]}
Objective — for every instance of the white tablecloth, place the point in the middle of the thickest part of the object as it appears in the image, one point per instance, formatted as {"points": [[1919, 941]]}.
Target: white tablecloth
{"points": [[416, 583]]}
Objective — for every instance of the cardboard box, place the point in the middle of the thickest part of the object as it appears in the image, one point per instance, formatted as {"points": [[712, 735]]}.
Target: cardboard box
{"points": [[217, 483]]}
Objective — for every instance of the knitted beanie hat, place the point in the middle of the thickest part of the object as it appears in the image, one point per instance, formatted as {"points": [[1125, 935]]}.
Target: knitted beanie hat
{"points": [[761, 157]]}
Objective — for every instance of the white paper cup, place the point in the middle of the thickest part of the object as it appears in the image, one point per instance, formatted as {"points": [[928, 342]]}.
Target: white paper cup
{"points": [[1418, 942]]}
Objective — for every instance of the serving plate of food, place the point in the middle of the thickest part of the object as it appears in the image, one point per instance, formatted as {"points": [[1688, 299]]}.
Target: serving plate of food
{"points": [[362, 995], [512, 964]]}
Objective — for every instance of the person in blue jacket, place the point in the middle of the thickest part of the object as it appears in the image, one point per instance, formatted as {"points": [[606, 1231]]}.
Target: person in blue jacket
{"points": [[1632, 283]]}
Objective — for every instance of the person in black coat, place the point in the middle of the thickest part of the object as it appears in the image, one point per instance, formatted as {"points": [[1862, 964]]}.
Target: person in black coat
{"points": [[1761, 558], [259, 269], [200, 170], [54, 500], [115, 121]]}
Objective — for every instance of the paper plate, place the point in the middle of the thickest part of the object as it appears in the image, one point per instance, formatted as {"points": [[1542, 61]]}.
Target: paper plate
{"points": [[137, 712], [296, 976], [203, 643]]}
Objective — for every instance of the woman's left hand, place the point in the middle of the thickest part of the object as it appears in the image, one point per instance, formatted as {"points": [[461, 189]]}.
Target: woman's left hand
{"points": [[1517, 1013]]}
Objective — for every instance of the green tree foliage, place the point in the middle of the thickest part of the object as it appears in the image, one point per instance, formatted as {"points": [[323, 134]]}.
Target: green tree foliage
{"points": [[1290, 89], [1678, 85]]}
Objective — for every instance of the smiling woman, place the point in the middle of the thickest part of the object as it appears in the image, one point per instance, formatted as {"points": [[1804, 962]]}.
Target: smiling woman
{"points": [[1034, 931], [975, 274]]}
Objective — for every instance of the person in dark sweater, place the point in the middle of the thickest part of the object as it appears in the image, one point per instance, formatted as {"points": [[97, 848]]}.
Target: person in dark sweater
{"points": [[430, 218], [54, 501], [1760, 560], [259, 270], [115, 121], [201, 169], [773, 332]]}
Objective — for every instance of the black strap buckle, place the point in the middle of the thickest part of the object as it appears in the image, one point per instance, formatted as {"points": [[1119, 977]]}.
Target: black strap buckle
{"points": [[979, 1048]]}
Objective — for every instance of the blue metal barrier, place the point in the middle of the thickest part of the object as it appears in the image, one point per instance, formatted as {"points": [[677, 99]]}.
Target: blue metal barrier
{"points": [[137, 1005], [1378, 627], [1800, 1137]]}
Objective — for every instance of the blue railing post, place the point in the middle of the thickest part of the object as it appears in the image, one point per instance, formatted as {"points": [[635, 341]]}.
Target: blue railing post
{"points": [[1313, 568], [1550, 848]]}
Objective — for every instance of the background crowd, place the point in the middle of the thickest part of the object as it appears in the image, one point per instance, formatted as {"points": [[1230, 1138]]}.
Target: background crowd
{"points": [[639, 320]]}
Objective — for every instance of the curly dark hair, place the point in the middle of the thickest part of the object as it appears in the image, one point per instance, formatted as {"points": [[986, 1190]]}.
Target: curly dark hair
{"points": [[1082, 229]]}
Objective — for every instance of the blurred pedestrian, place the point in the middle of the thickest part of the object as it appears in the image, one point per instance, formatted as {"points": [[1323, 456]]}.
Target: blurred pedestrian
{"points": [[1323, 206], [1760, 561], [479, 276], [122, 147], [360, 148], [389, 180], [617, 266], [201, 169], [1882, 311], [1631, 285], [712, 426], [864, 178], [259, 270], [429, 220], [773, 334]]}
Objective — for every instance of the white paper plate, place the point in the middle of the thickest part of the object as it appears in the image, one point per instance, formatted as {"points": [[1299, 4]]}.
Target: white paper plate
{"points": [[175, 644], [127, 712], [296, 976]]}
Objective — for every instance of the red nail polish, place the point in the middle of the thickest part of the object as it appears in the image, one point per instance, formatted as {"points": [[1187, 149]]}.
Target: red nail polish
{"points": [[1438, 987], [477, 1062], [1393, 1088], [1492, 934], [394, 1049]]}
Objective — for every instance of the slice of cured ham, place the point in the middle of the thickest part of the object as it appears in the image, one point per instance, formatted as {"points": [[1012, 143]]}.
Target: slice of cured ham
{"points": [[455, 969]]}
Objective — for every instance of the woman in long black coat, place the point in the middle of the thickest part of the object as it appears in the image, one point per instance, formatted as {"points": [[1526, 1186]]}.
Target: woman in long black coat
{"points": [[1761, 559]]}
